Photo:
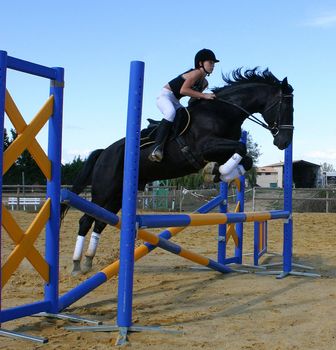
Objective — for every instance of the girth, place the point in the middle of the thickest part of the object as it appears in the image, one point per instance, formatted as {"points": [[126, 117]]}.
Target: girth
{"points": [[192, 159]]}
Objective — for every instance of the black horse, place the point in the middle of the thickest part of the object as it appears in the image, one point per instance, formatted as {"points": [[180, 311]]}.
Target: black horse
{"points": [[212, 135]]}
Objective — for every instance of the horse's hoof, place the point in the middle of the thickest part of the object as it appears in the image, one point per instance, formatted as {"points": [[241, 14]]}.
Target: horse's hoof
{"points": [[210, 169], [87, 264], [76, 268], [209, 178]]}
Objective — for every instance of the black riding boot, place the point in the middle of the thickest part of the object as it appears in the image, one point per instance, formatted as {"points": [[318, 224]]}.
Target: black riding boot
{"points": [[161, 136]]}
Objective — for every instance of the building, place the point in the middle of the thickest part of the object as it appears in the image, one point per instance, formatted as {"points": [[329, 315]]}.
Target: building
{"points": [[270, 175], [305, 175], [329, 179]]}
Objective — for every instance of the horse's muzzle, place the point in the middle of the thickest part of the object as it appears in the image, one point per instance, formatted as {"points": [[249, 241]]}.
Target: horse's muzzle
{"points": [[283, 139]]}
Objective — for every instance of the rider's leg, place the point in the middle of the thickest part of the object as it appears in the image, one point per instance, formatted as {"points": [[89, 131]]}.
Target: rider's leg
{"points": [[162, 134], [167, 104]]}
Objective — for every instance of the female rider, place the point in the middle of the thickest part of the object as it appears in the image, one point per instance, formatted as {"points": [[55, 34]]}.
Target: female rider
{"points": [[191, 83]]}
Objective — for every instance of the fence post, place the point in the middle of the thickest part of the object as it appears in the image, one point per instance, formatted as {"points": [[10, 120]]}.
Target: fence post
{"points": [[129, 199], [288, 206], [253, 198], [53, 190], [3, 70]]}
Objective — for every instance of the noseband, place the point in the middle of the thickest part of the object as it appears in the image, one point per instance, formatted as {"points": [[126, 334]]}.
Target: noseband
{"points": [[277, 126]]}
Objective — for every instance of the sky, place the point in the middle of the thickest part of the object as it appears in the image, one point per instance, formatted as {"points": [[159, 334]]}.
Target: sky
{"points": [[95, 41]]}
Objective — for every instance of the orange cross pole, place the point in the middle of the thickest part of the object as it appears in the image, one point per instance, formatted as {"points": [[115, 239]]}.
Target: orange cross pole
{"points": [[24, 139], [26, 243], [17, 234], [231, 231], [20, 125], [237, 183]]}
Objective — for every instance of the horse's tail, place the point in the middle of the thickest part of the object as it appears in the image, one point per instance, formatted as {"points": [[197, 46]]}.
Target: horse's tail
{"points": [[83, 178]]}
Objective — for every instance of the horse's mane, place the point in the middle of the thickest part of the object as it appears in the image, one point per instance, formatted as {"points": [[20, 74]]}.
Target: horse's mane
{"points": [[237, 77]]}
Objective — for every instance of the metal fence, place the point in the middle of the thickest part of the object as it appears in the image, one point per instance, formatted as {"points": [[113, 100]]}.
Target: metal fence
{"points": [[170, 199], [304, 199]]}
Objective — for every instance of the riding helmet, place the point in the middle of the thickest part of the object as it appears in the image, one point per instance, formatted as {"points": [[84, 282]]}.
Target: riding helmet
{"points": [[204, 55]]}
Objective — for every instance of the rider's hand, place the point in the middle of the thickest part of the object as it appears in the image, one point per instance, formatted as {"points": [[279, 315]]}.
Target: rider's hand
{"points": [[210, 96]]}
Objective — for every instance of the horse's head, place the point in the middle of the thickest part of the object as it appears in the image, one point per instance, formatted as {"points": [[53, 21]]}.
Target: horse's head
{"points": [[278, 114], [261, 92]]}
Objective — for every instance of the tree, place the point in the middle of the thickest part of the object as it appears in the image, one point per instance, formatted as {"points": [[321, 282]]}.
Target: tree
{"points": [[327, 167], [24, 167], [70, 170], [6, 139], [253, 151], [12, 176]]}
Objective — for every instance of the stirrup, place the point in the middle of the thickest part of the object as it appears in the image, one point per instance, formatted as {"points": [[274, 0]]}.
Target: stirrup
{"points": [[156, 155]]}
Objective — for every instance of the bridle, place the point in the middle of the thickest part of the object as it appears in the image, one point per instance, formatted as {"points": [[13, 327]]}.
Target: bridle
{"points": [[277, 126]]}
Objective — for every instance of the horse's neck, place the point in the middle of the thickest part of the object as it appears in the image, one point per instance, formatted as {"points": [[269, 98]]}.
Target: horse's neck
{"points": [[252, 97]]}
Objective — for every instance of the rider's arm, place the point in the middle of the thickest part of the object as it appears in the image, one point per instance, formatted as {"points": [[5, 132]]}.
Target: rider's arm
{"points": [[190, 80], [205, 84]]}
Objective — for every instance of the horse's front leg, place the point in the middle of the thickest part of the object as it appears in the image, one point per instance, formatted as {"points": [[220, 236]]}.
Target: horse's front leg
{"points": [[221, 150], [232, 157]]}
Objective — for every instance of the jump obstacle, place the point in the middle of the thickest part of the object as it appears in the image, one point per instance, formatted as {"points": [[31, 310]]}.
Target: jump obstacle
{"points": [[230, 224]]}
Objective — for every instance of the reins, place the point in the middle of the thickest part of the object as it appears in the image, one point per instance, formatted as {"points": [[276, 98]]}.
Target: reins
{"points": [[275, 128], [250, 115]]}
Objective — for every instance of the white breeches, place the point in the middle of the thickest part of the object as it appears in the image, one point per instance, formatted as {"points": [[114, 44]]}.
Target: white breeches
{"points": [[168, 104]]}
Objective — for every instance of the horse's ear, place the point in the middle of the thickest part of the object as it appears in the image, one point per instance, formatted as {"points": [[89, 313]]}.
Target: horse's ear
{"points": [[284, 84]]}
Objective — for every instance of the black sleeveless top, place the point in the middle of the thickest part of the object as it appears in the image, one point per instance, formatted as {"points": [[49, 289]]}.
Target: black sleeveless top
{"points": [[176, 84]]}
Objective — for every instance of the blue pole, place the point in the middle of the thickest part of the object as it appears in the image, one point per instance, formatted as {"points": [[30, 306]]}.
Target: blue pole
{"points": [[53, 191], [241, 200], [3, 69], [256, 243], [221, 255], [288, 226], [89, 208], [31, 68], [129, 199]]}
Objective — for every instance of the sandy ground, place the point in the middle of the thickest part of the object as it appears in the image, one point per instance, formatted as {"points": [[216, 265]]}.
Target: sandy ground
{"points": [[214, 311]]}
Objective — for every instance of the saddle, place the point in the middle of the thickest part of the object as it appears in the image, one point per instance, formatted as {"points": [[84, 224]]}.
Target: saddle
{"points": [[180, 126]]}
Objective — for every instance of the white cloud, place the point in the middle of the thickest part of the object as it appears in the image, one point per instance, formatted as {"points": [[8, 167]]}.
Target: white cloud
{"points": [[322, 21], [322, 156], [68, 155]]}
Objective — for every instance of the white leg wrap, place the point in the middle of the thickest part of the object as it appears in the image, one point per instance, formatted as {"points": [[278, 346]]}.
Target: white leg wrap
{"points": [[234, 174], [77, 255], [94, 240], [230, 165]]}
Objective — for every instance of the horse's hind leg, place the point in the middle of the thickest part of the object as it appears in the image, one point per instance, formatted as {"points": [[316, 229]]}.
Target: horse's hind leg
{"points": [[98, 228], [93, 245], [85, 224], [211, 173]]}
